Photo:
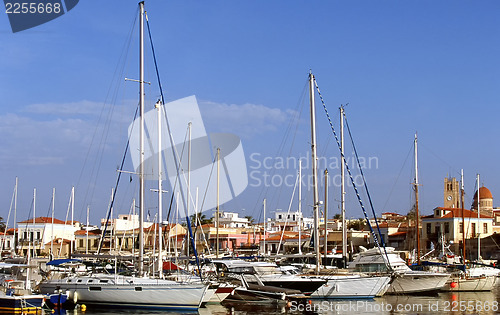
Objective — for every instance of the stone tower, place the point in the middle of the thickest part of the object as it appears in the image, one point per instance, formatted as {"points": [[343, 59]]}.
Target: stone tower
{"points": [[451, 193]]}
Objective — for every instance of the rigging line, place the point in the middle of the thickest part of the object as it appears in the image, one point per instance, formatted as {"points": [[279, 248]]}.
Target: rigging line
{"points": [[295, 120], [91, 188], [27, 221], [154, 58], [208, 184], [4, 240], [375, 238], [177, 180], [364, 179], [176, 161], [116, 187], [65, 222], [397, 179], [440, 159], [277, 198], [288, 214]]}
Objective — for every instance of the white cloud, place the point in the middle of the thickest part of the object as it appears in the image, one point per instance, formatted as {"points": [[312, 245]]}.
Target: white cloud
{"points": [[73, 108], [245, 120], [53, 134]]}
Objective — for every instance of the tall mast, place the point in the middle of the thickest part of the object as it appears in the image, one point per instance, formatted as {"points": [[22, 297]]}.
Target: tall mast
{"points": [[34, 207], [52, 225], [72, 217], [478, 223], [160, 193], [463, 215], [314, 171], [342, 189], [265, 225], [189, 184], [141, 136], [300, 207], [217, 214], [87, 232], [325, 208], [416, 200], [15, 217]]}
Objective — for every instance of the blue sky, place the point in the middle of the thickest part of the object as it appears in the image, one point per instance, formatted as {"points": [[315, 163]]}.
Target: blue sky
{"points": [[403, 66]]}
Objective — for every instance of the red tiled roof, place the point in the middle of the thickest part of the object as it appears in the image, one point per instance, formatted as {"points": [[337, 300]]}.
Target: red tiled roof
{"points": [[83, 232], [398, 233], [58, 241], [457, 213], [46, 220]]}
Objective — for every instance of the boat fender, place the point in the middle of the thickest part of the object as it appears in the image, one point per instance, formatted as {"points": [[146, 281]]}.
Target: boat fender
{"points": [[75, 297], [83, 307]]}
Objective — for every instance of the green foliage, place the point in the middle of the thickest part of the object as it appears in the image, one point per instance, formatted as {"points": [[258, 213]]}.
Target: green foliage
{"points": [[356, 224], [202, 219]]}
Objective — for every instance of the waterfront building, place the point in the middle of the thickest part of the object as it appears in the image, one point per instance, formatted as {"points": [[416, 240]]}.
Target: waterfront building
{"points": [[38, 233], [447, 222], [7, 242], [232, 220]]}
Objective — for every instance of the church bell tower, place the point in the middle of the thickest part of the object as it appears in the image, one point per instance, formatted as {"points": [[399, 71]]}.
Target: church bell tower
{"points": [[451, 193]]}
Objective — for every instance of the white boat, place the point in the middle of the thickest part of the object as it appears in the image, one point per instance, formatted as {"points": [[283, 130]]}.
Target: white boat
{"points": [[265, 273], [352, 286], [338, 286], [406, 280], [463, 282], [129, 291], [467, 278], [16, 299]]}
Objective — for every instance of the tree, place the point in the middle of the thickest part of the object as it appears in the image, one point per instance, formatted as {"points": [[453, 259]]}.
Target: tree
{"points": [[337, 216], [356, 224], [250, 219], [202, 218], [2, 225]]}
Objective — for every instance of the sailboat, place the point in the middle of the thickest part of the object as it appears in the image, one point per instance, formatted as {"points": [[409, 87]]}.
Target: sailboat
{"points": [[464, 278], [141, 291], [406, 281], [338, 286]]}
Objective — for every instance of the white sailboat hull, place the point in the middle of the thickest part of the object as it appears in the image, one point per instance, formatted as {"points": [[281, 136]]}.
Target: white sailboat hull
{"points": [[417, 282], [485, 283], [129, 292], [352, 287]]}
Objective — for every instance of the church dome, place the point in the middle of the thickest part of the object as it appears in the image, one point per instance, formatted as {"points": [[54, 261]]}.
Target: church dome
{"points": [[484, 193], [485, 198]]}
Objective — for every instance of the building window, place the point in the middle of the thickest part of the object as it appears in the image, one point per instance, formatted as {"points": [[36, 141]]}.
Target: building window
{"points": [[447, 227], [429, 227], [485, 228], [461, 227], [437, 229], [473, 229]]}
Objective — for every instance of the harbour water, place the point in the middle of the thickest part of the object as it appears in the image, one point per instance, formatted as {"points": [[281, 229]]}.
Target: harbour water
{"points": [[441, 303]]}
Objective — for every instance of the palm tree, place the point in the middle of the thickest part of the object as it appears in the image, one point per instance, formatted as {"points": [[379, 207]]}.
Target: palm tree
{"points": [[250, 219], [201, 217]]}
